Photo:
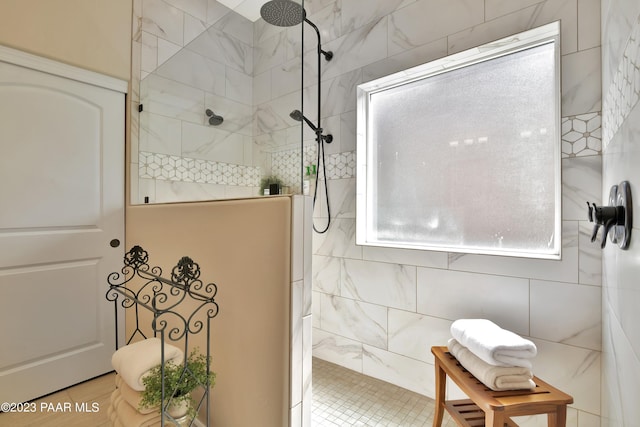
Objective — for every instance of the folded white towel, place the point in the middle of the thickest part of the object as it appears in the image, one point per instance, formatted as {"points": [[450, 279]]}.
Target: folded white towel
{"points": [[494, 377], [491, 343], [127, 416], [134, 361], [133, 397]]}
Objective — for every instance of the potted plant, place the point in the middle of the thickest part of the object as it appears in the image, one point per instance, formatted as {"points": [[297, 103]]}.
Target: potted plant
{"points": [[268, 181], [179, 382]]}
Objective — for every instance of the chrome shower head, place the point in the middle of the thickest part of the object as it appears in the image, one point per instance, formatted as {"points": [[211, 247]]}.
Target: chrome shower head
{"points": [[282, 13]]}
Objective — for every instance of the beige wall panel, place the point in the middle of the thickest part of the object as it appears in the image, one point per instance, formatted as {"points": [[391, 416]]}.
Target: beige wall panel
{"points": [[91, 34], [244, 247]]}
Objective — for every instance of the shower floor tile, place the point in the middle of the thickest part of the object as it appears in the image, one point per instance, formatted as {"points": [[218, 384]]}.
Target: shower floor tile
{"points": [[342, 397]]}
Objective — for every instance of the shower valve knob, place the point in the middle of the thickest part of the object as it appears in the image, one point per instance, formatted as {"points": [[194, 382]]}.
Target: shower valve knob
{"points": [[607, 216]]}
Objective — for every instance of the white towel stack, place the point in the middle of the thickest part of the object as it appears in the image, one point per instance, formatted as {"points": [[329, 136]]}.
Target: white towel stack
{"points": [[132, 363], [500, 359]]}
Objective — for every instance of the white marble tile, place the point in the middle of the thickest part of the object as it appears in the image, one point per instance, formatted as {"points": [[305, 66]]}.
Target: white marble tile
{"points": [[405, 256], [454, 295], [406, 59], [339, 240], [175, 191], [588, 24], [208, 142], [408, 373], [297, 239], [315, 309], [356, 320], [262, 88], [237, 26], [336, 349], [348, 131], [566, 313], [356, 13], [395, 283], [172, 99], [363, 46], [581, 82], [497, 8], [285, 78], [574, 370], [326, 274], [542, 421], [166, 50], [296, 342], [196, 71], [565, 270], [274, 115], [215, 11], [339, 93], [524, 19], [328, 21], [269, 53], [225, 49], [238, 117], [196, 8], [163, 20], [342, 198], [413, 334], [149, 52], [307, 365], [239, 86], [160, 134], [193, 27], [406, 32], [590, 257], [581, 183]]}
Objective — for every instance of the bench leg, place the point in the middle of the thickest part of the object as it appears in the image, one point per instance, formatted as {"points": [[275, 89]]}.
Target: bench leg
{"points": [[494, 419], [558, 418], [441, 383]]}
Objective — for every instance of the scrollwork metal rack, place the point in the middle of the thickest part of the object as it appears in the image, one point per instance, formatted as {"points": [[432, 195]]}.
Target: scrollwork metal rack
{"points": [[162, 297]]}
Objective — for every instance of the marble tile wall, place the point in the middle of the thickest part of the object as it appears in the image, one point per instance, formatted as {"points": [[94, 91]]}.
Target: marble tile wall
{"points": [[379, 310], [621, 156], [190, 56]]}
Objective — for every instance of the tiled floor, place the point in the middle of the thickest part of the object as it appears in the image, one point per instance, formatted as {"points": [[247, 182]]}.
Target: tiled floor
{"points": [[341, 397]]}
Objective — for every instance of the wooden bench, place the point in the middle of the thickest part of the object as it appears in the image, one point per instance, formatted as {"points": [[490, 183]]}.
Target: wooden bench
{"points": [[486, 407]]}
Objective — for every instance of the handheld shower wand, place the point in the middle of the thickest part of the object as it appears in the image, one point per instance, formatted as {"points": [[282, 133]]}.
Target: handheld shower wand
{"points": [[298, 116]]}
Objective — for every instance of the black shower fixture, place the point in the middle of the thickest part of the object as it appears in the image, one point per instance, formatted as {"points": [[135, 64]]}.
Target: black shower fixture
{"points": [[298, 116], [288, 13], [214, 119]]}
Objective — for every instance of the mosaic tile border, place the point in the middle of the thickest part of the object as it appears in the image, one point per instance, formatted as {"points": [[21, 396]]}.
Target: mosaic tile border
{"points": [[624, 91], [285, 164], [175, 168], [582, 135]]}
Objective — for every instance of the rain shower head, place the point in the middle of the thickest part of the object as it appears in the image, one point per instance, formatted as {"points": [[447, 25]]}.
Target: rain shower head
{"points": [[282, 13]]}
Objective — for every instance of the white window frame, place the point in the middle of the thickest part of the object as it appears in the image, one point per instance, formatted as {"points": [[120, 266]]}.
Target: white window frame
{"points": [[366, 168]]}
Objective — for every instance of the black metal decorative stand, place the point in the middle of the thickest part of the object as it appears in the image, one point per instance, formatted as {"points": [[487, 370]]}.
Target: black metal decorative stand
{"points": [[162, 297]]}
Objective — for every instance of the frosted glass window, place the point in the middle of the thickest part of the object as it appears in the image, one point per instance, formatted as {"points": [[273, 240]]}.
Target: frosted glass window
{"points": [[463, 154]]}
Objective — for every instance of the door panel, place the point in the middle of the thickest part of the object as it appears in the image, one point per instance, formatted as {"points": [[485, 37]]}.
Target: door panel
{"points": [[61, 203]]}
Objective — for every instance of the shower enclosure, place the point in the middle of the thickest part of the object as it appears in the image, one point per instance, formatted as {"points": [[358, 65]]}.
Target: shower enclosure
{"points": [[215, 97]]}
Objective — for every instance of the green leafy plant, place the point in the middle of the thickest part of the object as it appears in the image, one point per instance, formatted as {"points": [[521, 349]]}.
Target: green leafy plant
{"points": [[267, 181], [179, 382]]}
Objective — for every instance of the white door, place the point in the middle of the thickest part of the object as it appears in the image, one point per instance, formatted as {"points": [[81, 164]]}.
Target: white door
{"points": [[61, 204]]}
